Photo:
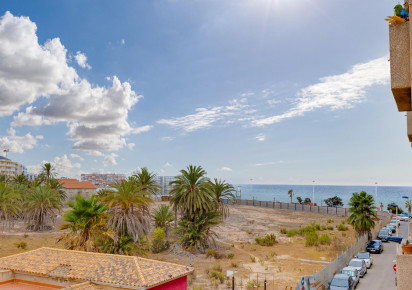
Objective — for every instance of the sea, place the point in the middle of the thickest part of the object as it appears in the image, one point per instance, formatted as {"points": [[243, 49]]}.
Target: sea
{"points": [[269, 192]]}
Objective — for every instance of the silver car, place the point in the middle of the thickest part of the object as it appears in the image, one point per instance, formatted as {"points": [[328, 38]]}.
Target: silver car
{"points": [[353, 272], [360, 265], [366, 257], [342, 282]]}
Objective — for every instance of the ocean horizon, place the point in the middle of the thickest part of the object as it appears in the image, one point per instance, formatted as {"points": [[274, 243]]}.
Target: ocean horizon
{"points": [[279, 192]]}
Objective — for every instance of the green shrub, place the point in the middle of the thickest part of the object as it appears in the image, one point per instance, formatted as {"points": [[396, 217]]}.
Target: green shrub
{"points": [[283, 231], [217, 275], [342, 227], [343, 222], [323, 228], [253, 259], [330, 228], [210, 253], [233, 264], [217, 268], [230, 255], [269, 240], [158, 246], [21, 245], [159, 233], [253, 247], [292, 233], [330, 221], [312, 239], [324, 239]]}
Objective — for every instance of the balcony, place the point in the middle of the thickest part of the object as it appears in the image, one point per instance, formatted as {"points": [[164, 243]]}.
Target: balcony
{"points": [[400, 65]]}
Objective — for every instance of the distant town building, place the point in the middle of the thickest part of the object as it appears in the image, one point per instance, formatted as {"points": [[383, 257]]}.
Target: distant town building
{"points": [[102, 180], [50, 268], [10, 168], [164, 181], [73, 187]]}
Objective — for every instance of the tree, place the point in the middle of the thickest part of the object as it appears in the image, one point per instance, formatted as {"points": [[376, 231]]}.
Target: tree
{"points": [[86, 222], [362, 209], [408, 205], [9, 204], [299, 199], [20, 179], [163, 217], [129, 208], [221, 190], [48, 171], [333, 201], [147, 181], [41, 206], [56, 185], [392, 208], [191, 196], [290, 193], [307, 200]]}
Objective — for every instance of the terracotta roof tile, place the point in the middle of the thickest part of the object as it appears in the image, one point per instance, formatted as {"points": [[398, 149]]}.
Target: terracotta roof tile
{"points": [[95, 267], [75, 184]]}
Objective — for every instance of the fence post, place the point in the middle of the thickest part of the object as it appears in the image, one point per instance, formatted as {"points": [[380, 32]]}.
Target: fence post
{"points": [[233, 282], [264, 285]]}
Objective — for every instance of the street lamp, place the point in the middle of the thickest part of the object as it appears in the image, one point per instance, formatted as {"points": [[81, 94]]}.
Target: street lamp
{"points": [[313, 192], [251, 186], [376, 195]]}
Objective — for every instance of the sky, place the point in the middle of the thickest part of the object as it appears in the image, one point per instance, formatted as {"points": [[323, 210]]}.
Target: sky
{"points": [[263, 91]]}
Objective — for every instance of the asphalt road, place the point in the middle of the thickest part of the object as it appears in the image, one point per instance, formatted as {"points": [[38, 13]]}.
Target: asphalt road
{"points": [[381, 274]]}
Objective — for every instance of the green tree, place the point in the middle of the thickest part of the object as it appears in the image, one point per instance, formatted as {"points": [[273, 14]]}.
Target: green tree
{"points": [[333, 201], [191, 196], [307, 200], [48, 172], [41, 205], [147, 181], [362, 209], [20, 179], [393, 208], [9, 204], [129, 208], [408, 206], [163, 218], [86, 221], [56, 185], [221, 190], [290, 193], [299, 199]]}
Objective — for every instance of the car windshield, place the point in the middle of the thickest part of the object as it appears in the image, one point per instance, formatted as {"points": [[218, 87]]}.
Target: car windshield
{"points": [[363, 255], [373, 243], [349, 272], [339, 282], [383, 232], [355, 263]]}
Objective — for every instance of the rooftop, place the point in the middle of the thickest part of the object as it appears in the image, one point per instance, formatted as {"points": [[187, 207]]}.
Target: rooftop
{"points": [[69, 183], [119, 270]]}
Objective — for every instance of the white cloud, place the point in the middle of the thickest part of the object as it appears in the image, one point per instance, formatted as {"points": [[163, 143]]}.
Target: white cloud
{"points": [[134, 171], [273, 102], [206, 117], [18, 144], [131, 146], [336, 92], [110, 160], [168, 164], [63, 165], [226, 169], [81, 60], [260, 137], [267, 163], [76, 156], [96, 116], [122, 41], [142, 129], [167, 138]]}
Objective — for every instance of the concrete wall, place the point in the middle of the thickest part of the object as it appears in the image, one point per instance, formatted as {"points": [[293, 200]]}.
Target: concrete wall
{"points": [[6, 275]]}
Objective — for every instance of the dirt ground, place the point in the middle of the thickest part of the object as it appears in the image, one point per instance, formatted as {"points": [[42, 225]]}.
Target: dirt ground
{"points": [[282, 264]]}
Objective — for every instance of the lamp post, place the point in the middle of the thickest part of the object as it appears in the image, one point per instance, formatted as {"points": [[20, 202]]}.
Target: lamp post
{"points": [[313, 192], [251, 186], [376, 195]]}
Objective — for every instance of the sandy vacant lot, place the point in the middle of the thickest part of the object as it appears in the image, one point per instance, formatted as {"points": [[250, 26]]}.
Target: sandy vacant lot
{"points": [[283, 263]]}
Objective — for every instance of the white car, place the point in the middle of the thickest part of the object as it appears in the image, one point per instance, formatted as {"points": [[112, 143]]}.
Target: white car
{"points": [[403, 218], [366, 257], [360, 265]]}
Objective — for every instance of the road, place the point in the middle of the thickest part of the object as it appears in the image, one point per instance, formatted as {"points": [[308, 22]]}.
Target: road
{"points": [[381, 274]]}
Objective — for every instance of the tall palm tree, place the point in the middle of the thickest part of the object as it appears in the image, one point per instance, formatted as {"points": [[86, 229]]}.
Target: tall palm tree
{"points": [[191, 196], [408, 205], [56, 185], [9, 204], [221, 190], [20, 179], [86, 222], [129, 209], [163, 218], [41, 205], [48, 171], [147, 181], [290, 193], [363, 212]]}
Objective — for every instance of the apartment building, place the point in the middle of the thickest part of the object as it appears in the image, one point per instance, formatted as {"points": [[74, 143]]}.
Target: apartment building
{"points": [[10, 168], [102, 180], [164, 181]]}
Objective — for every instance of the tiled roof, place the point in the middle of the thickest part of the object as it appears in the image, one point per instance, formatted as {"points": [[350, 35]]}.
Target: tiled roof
{"points": [[75, 184], [83, 286], [118, 270]]}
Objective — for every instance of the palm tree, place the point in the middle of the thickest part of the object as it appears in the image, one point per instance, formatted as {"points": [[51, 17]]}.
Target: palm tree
{"points": [[191, 196], [9, 204], [86, 222], [221, 190], [48, 171], [56, 185], [41, 206], [147, 181], [20, 179], [290, 193], [362, 209], [163, 218], [129, 209]]}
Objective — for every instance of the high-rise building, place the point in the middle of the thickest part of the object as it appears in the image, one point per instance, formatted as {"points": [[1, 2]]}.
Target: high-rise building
{"points": [[10, 168], [164, 181], [102, 180]]}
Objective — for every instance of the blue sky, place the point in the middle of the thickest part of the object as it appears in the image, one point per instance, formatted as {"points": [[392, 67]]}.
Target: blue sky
{"points": [[278, 91]]}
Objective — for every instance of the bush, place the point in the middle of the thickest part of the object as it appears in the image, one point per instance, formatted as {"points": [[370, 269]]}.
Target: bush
{"points": [[217, 268], [323, 228], [343, 222], [21, 245], [217, 275], [342, 227], [230, 255], [269, 240], [324, 239], [253, 259], [330, 221], [159, 234], [330, 228], [253, 248], [292, 233], [210, 253], [158, 246], [311, 239], [283, 231], [233, 264]]}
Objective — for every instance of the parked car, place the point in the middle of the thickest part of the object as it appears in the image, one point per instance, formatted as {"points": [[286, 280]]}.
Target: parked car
{"points": [[395, 221], [392, 227], [353, 272], [403, 218], [388, 229], [383, 235], [366, 257], [360, 265], [342, 282], [375, 246]]}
